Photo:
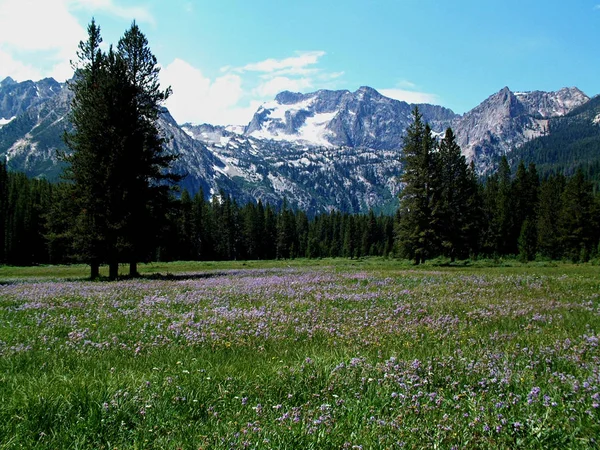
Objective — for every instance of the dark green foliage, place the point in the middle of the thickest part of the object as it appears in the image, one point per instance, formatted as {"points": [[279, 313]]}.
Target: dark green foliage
{"points": [[445, 212], [504, 222], [548, 213], [573, 142], [578, 227], [416, 235], [3, 209], [456, 203], [23, 205], [117, 167], [528, 240]]}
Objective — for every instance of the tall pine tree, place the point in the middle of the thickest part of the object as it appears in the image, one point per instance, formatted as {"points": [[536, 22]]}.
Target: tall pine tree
{"points": [[416, 231], [118, 169]]}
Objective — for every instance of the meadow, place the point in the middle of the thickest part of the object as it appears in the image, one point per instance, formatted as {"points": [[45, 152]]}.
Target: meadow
{"points": [[322, 354]]}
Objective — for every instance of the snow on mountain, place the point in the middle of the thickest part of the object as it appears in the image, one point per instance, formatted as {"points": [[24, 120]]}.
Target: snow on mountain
{"points": [[322, 150], [364, 118], [4, 121], [16, 98]]}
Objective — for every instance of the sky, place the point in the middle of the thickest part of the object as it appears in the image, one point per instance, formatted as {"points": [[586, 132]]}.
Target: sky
{"points": [[224, 58]]}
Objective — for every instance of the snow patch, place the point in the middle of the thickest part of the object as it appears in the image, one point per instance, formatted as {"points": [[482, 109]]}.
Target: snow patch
{"points": [[278, 111], [4, 121], [597, 120], [188, 132], [315, 130], [237, 129]]}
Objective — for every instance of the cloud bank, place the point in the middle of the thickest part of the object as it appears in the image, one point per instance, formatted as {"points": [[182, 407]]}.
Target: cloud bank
{"points": [[232, 97], [47, 32]]}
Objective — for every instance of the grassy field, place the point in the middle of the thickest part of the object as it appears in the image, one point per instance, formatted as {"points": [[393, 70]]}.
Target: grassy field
{"points": [[321, 354]]}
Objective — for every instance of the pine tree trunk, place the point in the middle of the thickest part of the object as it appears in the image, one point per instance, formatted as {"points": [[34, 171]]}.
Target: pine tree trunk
{"points": [[113, 270], [133, 269], [95, 270]]}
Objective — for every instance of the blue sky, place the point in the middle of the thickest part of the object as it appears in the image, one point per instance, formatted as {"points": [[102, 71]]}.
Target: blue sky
{"points": [[223, 58]]}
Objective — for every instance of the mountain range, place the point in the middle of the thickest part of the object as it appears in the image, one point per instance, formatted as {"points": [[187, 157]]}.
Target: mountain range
{"points": [[321, 151]]}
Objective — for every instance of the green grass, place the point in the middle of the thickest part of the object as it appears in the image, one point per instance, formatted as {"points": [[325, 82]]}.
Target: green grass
{"points": [[366, 353]]}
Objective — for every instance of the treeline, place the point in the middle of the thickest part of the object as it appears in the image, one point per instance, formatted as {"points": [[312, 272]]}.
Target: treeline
{"points": [[445, 210], [556, 218], [24, 203], [221, 229], [32, 216]]}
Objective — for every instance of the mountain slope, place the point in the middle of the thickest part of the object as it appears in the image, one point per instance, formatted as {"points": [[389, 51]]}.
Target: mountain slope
{"points": [[572, 141], [507, 120], [16, 98], [324, 150], [364, 118]]}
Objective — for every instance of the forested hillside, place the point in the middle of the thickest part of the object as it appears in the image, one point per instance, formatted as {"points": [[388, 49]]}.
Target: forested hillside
{"points": [[572, 142]]}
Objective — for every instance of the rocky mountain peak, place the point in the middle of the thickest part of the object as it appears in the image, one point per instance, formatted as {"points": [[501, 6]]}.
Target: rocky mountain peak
{"points": [[507, 119], [340, 118], [289, 98], [367, 92], [325, 149], [7, 82]]}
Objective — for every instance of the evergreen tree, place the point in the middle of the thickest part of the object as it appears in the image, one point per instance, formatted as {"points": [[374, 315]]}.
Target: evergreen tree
{"points": [[269, 239], [301, 234], [58, 224], [349, 249], [117, 165], [87, 164], [416, 233], [285, 232], [3, 210], [202, 227], [370, 235], [524, 204], [453, 191], [576, 220], [506, 243], [474, 221], [548, 212], [146, 191], [185, 250], [528, 240]]}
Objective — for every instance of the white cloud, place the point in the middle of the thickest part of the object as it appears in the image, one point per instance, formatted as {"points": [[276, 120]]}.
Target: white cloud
{"points": [[31, 25], [405, 84], [292, 65], [410, 96], [278, 84], [198, 99], [16, 69], [40, 38], [236, 93]]}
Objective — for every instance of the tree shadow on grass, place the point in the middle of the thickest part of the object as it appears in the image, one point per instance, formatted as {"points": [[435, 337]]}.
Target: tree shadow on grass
{"points": [[178, 276]]}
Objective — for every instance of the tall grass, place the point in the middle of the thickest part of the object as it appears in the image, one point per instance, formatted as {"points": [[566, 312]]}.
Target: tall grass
{"points": [[332, 354]]}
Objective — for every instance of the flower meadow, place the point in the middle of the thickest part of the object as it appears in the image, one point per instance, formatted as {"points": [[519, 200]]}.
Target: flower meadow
{"points": [[304, 357]]}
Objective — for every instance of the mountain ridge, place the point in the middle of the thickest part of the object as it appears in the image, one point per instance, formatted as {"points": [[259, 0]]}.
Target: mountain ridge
{"points": [[321, 150]]}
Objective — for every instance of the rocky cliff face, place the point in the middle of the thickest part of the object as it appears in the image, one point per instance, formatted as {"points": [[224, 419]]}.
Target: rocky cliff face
{"points": [[16, 98], [506, 120], [364, 118], [323, 150]]}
